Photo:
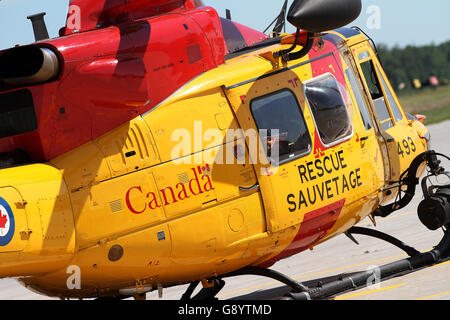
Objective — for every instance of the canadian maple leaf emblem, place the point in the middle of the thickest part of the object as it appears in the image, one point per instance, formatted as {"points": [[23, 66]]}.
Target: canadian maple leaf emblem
{"points": [[3, 220]]}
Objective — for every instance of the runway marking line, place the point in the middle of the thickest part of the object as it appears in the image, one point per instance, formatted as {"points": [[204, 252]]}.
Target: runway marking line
{"points": [[368, 292], [437, 265], [434, 295], [440, 264], [437, 294]]}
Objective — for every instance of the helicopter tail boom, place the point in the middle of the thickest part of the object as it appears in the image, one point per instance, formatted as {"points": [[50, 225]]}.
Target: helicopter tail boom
{"points": [[37, 233]]}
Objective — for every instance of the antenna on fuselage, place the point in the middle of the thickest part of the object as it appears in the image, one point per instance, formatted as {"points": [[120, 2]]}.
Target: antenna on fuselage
{"points": [[39, 27], [228, 14], [280, 21]]}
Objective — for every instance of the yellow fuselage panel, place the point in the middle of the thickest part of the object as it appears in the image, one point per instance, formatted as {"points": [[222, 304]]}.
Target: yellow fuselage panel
{"points": [[38, 235]]}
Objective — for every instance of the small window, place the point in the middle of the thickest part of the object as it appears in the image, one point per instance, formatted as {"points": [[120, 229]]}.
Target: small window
{"points": [[372, 79], [383, 113], [330, 105], [363, 109], [394, 107], [377, 94], [281, 125], [17, 113], [364, 55]]}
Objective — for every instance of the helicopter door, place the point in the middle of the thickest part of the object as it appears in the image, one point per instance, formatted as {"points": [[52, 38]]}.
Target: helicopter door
{"points": [[277, 139], [399, 139], [367, 136]]}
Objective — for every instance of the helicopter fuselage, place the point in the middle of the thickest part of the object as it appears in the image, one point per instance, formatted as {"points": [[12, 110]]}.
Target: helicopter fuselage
{"points": [[190, 188]]}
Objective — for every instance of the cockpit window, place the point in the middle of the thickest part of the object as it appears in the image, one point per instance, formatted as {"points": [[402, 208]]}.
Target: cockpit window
{"points": [[330, 107], [362, 106], [364, 55], [281, 125], [376, 92], [398, 116], [372, 79]]}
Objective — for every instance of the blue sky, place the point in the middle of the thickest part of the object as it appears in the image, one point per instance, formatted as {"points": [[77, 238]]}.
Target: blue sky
{"points": [[393, 22]]}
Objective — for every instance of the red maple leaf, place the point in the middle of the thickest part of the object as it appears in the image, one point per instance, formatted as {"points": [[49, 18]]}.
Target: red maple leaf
{"points": [[3, 220]]}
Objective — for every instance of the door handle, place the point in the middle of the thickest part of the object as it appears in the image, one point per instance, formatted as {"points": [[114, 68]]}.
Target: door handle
{"points": [[364, 138], [250, 188], [390, 140]]}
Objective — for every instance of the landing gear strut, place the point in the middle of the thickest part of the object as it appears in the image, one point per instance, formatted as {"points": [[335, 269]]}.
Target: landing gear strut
{"points": [[383, 236], [209, 293], [205, 293]]}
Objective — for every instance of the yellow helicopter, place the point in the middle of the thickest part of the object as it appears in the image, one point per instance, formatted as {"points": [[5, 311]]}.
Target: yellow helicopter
{"points": [[199, 155]]}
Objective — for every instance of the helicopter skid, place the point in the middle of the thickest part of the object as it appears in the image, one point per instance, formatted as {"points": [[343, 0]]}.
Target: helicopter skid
{"points": [[332, 286]]}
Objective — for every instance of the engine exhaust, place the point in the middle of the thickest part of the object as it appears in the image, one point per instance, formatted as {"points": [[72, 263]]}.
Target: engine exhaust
{"points": [[28, 65]]}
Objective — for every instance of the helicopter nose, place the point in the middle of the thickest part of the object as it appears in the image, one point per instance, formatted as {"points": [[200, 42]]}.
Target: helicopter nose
{"points": [[36, 222]]}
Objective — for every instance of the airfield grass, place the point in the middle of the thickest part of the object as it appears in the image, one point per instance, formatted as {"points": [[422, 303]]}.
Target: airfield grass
{"points": [[434, 103]]}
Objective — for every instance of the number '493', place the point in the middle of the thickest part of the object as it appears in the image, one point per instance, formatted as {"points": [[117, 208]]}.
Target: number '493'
{"points": [[407, 146]]}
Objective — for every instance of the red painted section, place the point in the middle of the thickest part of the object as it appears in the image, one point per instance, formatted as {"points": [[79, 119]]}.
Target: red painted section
{"points": [[314, 227], [112, 74], [319, 148], [85, 15], [322, 66], [209, 22]]}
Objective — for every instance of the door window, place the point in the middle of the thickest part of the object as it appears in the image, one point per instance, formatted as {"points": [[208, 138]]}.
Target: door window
{"points": [[329, 108], [377, 94], [363, 109], [398, 116], [281, 125]]}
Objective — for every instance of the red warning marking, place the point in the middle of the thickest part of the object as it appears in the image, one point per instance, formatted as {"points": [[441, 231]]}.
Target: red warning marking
{"points": [[314, 227]]}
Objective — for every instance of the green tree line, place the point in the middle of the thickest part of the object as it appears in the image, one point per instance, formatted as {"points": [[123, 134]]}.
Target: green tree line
{"points": [[402, 65]]}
